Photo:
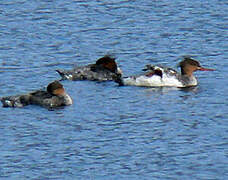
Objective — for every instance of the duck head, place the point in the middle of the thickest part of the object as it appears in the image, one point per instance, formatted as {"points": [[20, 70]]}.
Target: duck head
{"points": [[109, 63], [55, 88], [189, 65]]}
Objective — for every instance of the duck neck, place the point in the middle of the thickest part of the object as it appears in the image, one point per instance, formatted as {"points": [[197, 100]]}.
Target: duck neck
{"points": [[186, 71]]}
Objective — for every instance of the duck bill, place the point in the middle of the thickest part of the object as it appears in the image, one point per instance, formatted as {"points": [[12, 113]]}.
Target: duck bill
{"points": [[205, 69]]}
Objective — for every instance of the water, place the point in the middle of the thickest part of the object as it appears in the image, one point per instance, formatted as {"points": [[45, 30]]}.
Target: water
{"points": [[113, 132]]}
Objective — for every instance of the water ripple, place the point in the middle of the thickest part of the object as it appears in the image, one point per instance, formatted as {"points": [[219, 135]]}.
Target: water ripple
{"points": [[113, 132]]}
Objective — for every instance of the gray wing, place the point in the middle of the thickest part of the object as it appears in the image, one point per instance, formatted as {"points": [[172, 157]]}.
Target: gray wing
{"points": [[90, 72]]}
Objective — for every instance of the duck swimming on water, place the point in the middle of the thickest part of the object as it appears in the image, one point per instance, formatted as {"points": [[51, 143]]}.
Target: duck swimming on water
{"points": [[158, 76], [53, 96], [105, 69]]}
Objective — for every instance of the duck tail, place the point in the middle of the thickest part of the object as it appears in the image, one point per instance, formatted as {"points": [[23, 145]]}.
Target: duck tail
{"points": [[61, 72], [15, 101], [7, 102]]}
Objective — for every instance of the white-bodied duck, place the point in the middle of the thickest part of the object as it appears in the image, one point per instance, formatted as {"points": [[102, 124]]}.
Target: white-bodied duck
{"points": [[158, 76]]}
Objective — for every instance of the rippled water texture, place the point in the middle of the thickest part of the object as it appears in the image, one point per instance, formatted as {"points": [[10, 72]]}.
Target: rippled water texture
{"points": [[113, 132]]}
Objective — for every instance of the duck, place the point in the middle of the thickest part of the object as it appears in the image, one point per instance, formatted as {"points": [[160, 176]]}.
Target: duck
{"points": [[54, 96], [159, 76], [104, 69]]}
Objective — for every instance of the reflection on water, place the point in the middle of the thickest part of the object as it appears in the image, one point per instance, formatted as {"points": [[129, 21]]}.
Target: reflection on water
{"points": [[170, 90], [161, 90], [113, 132], [194, 89]]}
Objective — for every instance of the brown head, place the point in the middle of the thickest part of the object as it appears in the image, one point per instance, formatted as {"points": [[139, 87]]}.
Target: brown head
{"points": [[55, 88], [108, 63], [189, 65]]}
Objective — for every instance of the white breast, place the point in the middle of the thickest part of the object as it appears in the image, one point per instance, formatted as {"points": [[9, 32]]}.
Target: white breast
{"points": [[68, 100], [153, 81]]}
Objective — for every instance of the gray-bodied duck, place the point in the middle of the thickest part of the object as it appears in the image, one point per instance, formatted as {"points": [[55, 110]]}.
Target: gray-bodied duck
{"points": [[54, 96]]}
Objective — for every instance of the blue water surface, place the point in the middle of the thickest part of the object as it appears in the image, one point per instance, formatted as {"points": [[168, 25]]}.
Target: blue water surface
{"points": [[113, 132]]}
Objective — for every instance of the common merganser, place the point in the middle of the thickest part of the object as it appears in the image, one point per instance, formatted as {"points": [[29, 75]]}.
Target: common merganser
{"points": [[158, 76], [105, 69], [54, 96]]}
